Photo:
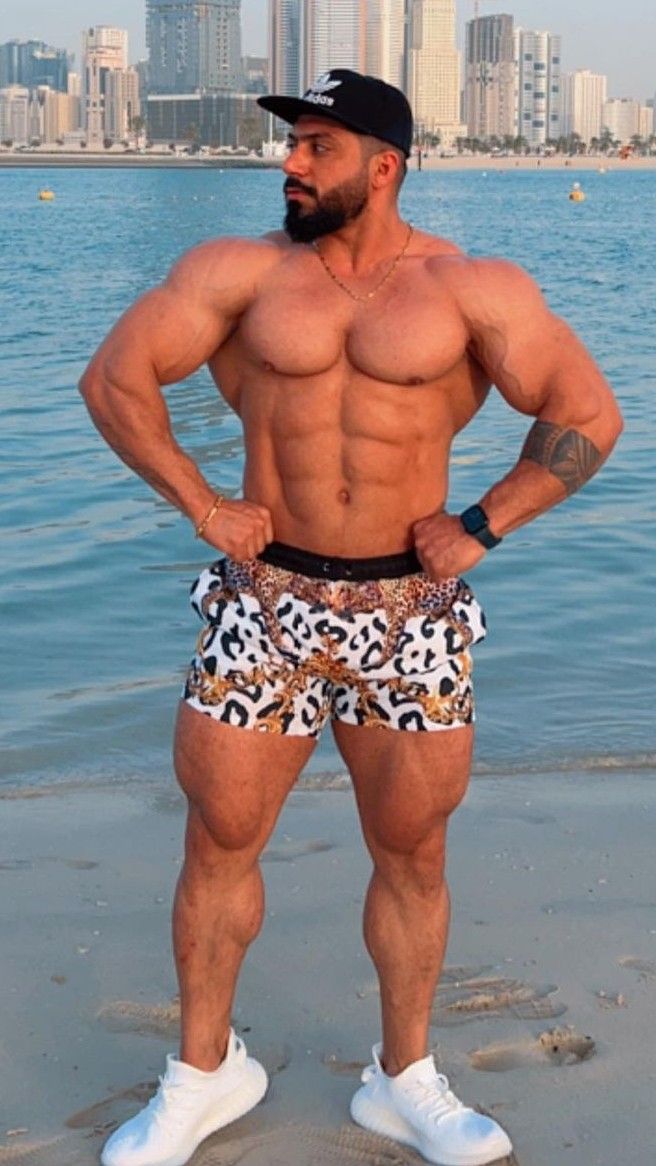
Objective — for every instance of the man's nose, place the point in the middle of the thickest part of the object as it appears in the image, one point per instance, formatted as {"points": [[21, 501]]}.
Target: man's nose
{"points": [[295, 163]]}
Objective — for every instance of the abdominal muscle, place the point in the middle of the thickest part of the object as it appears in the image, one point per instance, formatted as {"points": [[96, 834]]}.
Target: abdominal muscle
{"points": [[345, 465]]}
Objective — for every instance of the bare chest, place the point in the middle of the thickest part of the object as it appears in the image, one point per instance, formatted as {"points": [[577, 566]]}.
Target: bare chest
{"points": [[401, 335]]}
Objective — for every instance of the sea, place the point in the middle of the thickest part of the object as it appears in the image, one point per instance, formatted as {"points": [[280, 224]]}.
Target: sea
{"points": [[95, 568]]}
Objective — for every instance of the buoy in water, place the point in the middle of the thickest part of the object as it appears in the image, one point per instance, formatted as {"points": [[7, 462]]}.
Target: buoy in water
{"points": [[46, 195], [576, 194]]}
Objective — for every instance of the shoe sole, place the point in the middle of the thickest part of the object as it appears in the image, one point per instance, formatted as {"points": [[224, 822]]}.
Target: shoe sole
{"points": [[233, 1106], [381, 1120]]}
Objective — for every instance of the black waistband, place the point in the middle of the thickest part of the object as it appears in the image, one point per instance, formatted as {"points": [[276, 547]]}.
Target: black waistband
{"points": [[330, 567]]}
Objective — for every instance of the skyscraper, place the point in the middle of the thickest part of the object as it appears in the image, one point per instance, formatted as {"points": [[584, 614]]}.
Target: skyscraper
{"points": [[194, 45], [490, 77], [384, 52], [334, 36], [286, 47], [584, 94], [32, 63], [15, 115], [433, 82], [104, 49], [309, 37], [537, 86]]}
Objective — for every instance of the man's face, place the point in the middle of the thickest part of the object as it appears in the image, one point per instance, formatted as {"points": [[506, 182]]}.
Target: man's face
{"points": [[327, 183]]}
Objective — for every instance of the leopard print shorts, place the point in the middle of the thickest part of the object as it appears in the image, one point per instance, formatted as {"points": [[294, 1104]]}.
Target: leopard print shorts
{"points": [[281, 652]]}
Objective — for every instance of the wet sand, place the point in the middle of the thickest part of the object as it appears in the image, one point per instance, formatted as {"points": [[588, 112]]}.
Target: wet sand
{"points": [[544, 1017]]}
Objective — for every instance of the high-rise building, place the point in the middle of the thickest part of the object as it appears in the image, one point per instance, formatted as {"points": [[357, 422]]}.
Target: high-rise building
{"points": [[104, 49], [490, 77], [384, 40], [621, 116], [537, 86], [15, 122], [194, 45], [32, 63], [255, 71], [584, 94], [286, 70], [206, 119], [54, 114], [122, 103], [334, 37], [433, 69]]}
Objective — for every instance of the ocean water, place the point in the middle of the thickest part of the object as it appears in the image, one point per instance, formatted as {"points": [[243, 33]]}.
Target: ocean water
{"points": [[95, 568]]}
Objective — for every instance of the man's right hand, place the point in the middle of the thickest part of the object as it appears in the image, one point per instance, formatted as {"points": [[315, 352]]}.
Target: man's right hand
{"points": [[241, 529]]}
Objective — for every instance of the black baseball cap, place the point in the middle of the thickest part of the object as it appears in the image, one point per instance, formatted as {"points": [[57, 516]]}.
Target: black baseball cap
{"points": [[364, 104]]}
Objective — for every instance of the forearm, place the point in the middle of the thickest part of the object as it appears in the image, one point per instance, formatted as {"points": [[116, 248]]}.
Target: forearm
{"points": [[555, 462], [136, 425]]}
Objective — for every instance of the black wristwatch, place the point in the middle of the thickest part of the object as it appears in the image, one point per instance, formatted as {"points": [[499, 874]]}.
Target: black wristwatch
{"points": [[474, 519]]}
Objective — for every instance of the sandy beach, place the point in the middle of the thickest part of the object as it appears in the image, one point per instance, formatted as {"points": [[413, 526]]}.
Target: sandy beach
{"points": [[81, 159], [544, 1016]]}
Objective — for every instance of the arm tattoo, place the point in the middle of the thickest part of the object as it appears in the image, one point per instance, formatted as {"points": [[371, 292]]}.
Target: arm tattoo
{"points": [[566, 453]]}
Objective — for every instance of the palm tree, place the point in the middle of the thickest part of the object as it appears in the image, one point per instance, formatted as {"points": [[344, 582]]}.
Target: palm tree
{"points": [[192, 133], [606, 140], [137, 127]]}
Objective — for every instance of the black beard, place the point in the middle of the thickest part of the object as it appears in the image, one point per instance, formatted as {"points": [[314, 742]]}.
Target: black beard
{"points": [[338, 207]]}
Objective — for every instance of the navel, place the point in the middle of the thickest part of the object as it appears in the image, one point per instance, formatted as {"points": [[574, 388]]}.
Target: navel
{"points": [[344, 497]]}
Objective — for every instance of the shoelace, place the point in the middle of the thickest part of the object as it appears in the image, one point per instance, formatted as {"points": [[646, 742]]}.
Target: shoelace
{"points": [[173, 1102], [433, 1100]]}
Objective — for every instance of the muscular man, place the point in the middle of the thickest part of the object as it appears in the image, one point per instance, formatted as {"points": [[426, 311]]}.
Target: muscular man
{"points": [[353, 347]]}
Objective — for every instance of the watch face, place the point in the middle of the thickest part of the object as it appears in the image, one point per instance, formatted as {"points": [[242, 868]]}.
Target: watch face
{"points": [[474, 519]]}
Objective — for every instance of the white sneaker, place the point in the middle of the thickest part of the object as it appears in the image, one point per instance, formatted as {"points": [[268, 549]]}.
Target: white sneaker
{"points": [[418, 1109], [188, 1106]]}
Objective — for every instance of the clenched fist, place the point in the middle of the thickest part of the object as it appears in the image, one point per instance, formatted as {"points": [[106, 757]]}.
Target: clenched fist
{"points": [[240, 529], [443, 547]]}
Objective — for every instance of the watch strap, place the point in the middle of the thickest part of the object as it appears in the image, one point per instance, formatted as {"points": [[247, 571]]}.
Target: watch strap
{"points": [[475, 522]]}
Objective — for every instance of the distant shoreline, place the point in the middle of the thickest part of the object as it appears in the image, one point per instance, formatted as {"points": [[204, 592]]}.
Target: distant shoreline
{"points": [[103, 161], [98, 161], [557, 162]]}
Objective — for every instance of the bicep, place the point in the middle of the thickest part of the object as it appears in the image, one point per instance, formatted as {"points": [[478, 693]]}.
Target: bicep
{"points": [[162, 335]]}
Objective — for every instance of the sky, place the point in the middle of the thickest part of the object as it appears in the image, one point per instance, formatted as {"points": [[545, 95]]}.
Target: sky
{"points": [[607, 36]]}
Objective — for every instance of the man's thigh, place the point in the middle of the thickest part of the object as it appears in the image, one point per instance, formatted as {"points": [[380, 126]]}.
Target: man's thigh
{"points": [[236, 778], [406, 783]]}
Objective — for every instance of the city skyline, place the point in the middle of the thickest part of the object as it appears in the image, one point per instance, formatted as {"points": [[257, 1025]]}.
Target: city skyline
{"points": [[597, 36]]}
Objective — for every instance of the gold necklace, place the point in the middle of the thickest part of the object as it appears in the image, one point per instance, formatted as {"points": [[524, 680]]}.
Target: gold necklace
{"points": [[354, 296]]}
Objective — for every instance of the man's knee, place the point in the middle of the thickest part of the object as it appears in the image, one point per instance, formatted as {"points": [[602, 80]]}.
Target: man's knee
{"points": [[220, 825], [407, 827]]}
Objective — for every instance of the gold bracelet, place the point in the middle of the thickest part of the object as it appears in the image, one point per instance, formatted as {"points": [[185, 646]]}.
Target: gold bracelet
{"points": [[217, 503]]}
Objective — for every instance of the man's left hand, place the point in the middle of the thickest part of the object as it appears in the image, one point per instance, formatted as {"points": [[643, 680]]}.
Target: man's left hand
{"points": [[443, 546]]}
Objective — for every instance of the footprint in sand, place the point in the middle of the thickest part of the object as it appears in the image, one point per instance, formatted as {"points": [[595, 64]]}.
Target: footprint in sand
{"points": [[163, 1020], [311, 1146], [465, 994], [30, 863], [290, 851], [646, 968], [143, 1019], [556, 1046], [66, 1151], [344, 1068]]}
